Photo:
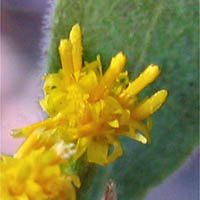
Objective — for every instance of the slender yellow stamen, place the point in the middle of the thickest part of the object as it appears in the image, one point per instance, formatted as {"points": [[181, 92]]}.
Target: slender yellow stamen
{"points": [[76, 40], [26, 146], [65, 50], [37, 139], [48, 123], [149, 106], [116, 66], [144, 79]]}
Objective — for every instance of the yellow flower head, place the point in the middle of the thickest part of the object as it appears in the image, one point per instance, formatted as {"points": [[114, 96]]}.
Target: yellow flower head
{"points": [[93, 109], [36, 175]]}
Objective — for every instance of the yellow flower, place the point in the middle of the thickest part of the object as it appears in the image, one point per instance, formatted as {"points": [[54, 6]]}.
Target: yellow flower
{"points": [[93, 109], [36, 175]]}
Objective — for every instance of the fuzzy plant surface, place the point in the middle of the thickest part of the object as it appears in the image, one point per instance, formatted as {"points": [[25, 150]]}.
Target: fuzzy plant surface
{"points": [[163, 32]]}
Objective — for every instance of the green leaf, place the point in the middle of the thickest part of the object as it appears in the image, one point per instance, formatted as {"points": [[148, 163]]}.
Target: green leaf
{"points": [[163, 32]]}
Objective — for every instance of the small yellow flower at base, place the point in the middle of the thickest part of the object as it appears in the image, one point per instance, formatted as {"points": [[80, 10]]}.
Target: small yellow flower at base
{"points": [[92, 109], [36, 176]]}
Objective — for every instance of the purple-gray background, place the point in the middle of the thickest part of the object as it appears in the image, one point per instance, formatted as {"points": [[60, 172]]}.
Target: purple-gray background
{"points": [[21, 22]]}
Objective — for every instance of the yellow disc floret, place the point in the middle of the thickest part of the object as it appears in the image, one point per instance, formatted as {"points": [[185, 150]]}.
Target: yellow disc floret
{"points": [[92, 109]]}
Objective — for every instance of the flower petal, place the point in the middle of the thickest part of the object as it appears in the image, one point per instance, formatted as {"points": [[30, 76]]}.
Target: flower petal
{"points": [[148, 107], [116, 66], [76, 41], [65, 50], [144, 79], [97, 152]]}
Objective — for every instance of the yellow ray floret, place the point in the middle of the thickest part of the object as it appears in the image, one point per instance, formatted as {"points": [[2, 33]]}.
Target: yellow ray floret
{"points": [[76, 40], [37, 175], [65, 50], [92, 109], [150, 105], [116, 66], [144, 79]]}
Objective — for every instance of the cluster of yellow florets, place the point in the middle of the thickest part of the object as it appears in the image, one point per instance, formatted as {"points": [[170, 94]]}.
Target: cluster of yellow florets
{"points": [[92, 109], [87, 109], [34, 172]]}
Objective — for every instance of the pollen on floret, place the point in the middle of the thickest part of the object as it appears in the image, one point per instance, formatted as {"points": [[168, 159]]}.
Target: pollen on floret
{"points": [[64, 150]]}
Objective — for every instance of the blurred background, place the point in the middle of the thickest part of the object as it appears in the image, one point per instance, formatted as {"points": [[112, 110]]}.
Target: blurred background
{"points": [[21, 88]]}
